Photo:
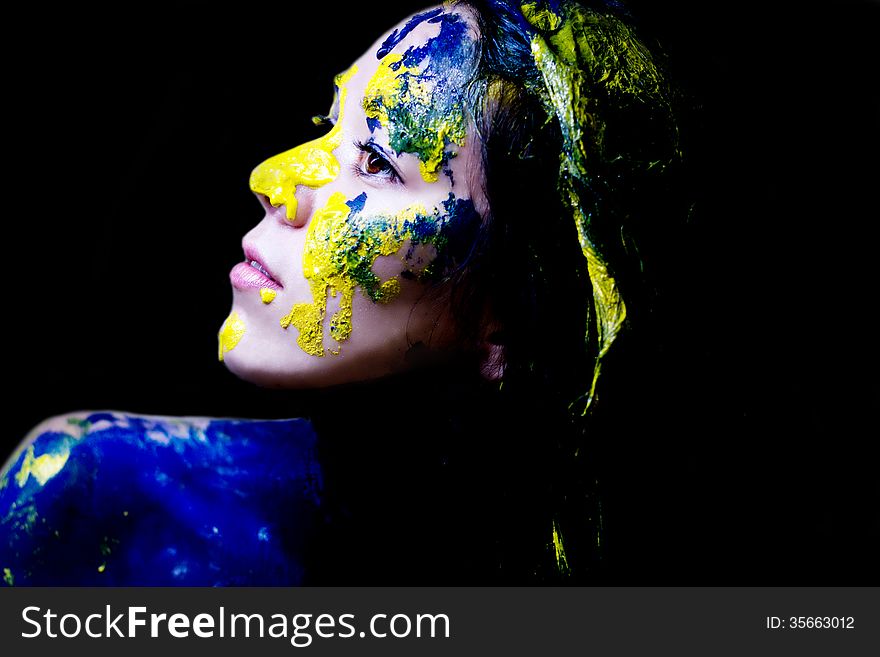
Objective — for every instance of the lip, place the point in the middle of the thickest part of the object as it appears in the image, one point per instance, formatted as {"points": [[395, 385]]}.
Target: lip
{"points": [[246, 276]]}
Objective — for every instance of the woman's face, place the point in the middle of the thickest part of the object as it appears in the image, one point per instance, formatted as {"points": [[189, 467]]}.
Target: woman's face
{"points": [[360, 221]]}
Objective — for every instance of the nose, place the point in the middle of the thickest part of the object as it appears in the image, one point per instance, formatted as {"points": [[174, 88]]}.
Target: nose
{"points": [[302, 203], [295, 174]]}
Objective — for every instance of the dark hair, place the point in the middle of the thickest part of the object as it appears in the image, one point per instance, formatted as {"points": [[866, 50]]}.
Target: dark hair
{"points": [[576, 205]]}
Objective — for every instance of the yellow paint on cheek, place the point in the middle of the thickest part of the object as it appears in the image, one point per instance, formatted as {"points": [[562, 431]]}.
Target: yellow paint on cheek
{"points": [[43, 467], [339, 255], [312, 164], [267, 295], [230, 334], [323, 276]]}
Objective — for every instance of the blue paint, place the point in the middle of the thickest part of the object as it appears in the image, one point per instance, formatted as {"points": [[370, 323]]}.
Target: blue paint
{"points": [[373, 124], [445, 50], [511, 11], [234, 504], [357, 204], [445, 62], [399, 35], [450, 228]]}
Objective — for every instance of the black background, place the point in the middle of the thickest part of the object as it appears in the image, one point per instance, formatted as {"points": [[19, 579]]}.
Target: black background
{"points": [[130, 135]]}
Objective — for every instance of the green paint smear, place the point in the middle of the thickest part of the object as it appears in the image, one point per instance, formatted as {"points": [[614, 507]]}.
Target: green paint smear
{"points": [[416, 96], [343, 244]]}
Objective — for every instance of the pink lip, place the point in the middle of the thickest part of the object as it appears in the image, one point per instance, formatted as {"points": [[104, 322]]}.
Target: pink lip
{"points": [[245, 275]]}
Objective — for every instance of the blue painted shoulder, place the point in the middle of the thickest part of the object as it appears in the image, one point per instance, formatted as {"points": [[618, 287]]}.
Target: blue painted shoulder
{"points": [[115, 499]]}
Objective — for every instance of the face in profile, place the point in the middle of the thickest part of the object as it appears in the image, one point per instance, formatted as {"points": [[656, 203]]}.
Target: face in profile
{"points": [[360, 223]]}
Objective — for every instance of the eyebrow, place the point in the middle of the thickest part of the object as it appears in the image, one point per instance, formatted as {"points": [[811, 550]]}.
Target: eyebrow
{"points": [[372, 142]]}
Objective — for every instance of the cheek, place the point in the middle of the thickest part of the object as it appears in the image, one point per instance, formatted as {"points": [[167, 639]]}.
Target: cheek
{"points": [[348, 248]]}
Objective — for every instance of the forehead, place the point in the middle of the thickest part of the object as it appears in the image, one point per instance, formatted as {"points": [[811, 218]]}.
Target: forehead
{"points": [[441, 39], [412, 95]]}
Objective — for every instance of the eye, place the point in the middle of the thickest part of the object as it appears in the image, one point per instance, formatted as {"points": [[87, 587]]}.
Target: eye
{"points": [[374, 164], [377, 164]]}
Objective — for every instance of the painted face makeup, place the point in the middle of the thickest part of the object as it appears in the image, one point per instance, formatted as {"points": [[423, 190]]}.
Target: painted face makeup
{"points": [[311, 164], [415, 96], [380, 221], [230, 334], [344, 243]]}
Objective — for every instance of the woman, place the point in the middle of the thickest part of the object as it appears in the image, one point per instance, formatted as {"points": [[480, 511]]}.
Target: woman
{"points": [[452, 261]]}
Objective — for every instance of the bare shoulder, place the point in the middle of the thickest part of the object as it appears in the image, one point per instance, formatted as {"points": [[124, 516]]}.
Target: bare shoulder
{"points": [[47, 447], [116, 498], [60, 430]]}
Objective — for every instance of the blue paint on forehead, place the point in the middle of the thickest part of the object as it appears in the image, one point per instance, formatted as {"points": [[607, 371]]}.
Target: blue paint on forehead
{"points": [[445, 61], [449, 48], [399, 35], [373, 124]]}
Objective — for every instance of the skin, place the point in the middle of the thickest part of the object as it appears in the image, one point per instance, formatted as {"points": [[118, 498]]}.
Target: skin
{"points": [[291, 340]]}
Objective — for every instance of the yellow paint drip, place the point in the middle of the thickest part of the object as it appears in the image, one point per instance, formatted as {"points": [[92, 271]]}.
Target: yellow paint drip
{"points": [[332, 245], [312, 164], [43, 467], [8, 577], [230, 334], [267, 295], [323, 276]]}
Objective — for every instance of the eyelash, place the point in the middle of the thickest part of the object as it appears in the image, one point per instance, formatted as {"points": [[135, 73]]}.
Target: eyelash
{"points": [[370, 150]]}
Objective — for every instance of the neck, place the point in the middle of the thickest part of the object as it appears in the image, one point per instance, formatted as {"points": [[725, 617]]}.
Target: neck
{"points": [[404, 471]]}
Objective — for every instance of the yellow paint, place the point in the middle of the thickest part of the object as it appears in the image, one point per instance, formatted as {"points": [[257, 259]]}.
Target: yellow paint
{"points": [[267, 294], [43, 467], [559, 549], [332, 245], [386, 90], [8, 577], [102, 567], [541, 17], [575, 53], [230, 334], [323, 277], [312, 164]]}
